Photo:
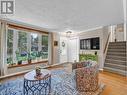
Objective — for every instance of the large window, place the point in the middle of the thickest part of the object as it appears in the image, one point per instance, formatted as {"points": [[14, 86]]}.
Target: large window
{"points": [[25, 47]]}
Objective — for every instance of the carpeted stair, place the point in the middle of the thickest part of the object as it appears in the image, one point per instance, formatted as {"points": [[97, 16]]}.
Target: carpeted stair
{"points": [[115, 61]]}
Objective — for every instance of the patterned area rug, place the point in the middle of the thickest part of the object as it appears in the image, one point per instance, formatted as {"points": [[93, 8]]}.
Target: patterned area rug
{"points": [[62, 83]]}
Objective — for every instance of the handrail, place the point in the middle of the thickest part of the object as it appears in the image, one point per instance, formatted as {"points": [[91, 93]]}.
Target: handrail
{"points": [[106, 45]]}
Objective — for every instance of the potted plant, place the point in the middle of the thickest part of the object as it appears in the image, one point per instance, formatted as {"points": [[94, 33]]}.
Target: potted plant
{"points": [[29, 58], [18, 57], [19, 60], [38, 54], [10, 61], [34, 56]]}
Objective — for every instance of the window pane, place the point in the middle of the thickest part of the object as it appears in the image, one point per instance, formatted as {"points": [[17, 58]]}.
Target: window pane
{"points": [[44, 43], [22, 47], [44, 47], [10, 46], [34, 42], [22, 41], [34, 46]]}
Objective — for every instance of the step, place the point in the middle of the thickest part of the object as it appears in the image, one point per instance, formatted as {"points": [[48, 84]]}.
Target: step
{"points": [[119, 62], [117, 43], [116, 66], [116, 47], [113, 57], [117, 71], [116, 50], [117, 53]]}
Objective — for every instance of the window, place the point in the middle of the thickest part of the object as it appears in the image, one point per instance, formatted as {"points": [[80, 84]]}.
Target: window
{"points": [[25, 47]]}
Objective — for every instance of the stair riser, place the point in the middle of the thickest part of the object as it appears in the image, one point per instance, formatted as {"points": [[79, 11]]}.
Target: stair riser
{"points": [[117, 47], [115, 62], [118, 43], [116, 58], [117, 54], [124, 68], [116, 50]]}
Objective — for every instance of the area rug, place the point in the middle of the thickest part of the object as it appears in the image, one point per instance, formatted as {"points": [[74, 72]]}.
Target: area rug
{"points": [[67, 86], [62, 83]]}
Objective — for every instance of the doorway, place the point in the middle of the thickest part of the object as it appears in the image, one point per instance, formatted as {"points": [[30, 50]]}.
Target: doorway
{"points": [[63, 49], [73, 50]]}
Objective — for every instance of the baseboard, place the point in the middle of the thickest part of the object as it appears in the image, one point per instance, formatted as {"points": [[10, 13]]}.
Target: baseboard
{"points": [[101, 70]]}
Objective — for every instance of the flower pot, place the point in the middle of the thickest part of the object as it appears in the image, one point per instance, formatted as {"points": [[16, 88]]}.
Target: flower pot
{"points": [[29, 61], [19, 62]]}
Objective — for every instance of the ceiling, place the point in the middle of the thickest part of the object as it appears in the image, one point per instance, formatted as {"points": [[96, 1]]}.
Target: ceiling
{"points": [[63, 15]]}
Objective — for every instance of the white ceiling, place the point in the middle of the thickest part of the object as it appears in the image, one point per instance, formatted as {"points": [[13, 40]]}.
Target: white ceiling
{"points": [[62, 15]]}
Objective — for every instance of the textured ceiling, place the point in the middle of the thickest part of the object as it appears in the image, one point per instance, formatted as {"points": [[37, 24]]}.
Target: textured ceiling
{"points": [[63, 15]]}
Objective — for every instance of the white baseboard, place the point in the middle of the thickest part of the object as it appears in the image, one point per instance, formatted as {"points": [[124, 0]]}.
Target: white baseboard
{"points": [[101, 70]]}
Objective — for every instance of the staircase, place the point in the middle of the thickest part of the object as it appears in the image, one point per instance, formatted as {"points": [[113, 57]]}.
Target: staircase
{"points": [[115, 61]]}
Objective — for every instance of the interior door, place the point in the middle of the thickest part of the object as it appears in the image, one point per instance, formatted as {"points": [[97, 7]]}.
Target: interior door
{"points": [[63, 49], [73, 50]]}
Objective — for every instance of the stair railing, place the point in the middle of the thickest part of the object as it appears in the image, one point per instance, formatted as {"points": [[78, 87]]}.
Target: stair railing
{"points": [[106, 46], [107, 43]]}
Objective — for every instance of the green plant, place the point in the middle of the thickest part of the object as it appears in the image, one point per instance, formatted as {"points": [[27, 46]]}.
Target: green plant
{"points": [[9, 60], [38, 54], [33, 55], [18, 57], [84, 57], [29, 57]]}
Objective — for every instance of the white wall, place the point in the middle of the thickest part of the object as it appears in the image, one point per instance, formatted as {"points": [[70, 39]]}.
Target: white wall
{"points": [[102, 33], [92, 34], [56, 57], [120, 36], [117, 32]]}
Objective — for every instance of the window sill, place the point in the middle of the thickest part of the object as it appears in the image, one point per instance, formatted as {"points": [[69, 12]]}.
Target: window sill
{"points": [[21, 65]]}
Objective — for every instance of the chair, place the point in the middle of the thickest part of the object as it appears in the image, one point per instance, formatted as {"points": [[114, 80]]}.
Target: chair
{"points": [[86, 76]]}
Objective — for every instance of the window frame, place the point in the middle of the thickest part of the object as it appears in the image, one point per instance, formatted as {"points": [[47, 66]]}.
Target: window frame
{"points": [[27, 30]]}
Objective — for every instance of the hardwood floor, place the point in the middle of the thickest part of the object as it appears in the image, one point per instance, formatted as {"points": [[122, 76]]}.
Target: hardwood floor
{"points": [[115, 84]]}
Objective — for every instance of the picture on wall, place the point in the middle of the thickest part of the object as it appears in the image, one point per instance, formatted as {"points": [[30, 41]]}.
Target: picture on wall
{"points": [[55, 43]]}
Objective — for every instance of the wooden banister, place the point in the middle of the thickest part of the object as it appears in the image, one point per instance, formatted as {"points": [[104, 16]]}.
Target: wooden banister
{"points": [[106, 45]]}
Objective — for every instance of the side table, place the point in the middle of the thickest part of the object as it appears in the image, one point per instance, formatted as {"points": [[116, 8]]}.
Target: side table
{"points": [[37, 86]]}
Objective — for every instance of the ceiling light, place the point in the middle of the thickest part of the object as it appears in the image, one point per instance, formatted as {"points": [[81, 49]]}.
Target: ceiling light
{"points": [[68, 33]]}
